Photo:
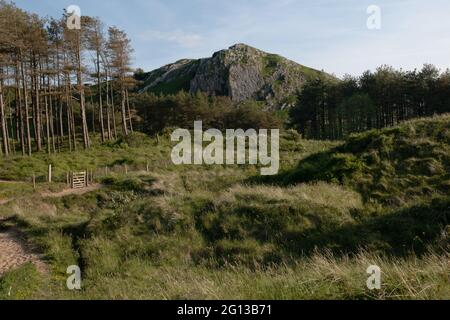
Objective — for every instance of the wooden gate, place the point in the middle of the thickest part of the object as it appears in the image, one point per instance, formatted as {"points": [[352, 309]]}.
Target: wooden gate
{"points": [[79, 180]]}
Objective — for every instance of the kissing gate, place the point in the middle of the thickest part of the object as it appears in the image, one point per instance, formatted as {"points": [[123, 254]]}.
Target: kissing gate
{"points": [[79, 180]]}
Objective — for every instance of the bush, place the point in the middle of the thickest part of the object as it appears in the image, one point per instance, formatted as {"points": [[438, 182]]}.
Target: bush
{"points": [[331, 167]]}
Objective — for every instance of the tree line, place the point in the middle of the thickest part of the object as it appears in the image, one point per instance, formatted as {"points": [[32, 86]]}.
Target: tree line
{"points": [[158, 114], [333, 109], [60, 86]]}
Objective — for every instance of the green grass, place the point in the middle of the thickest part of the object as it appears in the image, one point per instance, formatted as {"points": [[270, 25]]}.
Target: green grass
{"points": [[397, 166], [216, 232], [172, 87], [20, 284], [180, 82], [270, 64], [322, 276], [136, 149]]}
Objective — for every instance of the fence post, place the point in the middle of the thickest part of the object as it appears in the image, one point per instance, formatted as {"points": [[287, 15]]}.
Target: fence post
{"points": [[34, 181], [147, 167], [67, 179], [86, 182], [49, 173]]}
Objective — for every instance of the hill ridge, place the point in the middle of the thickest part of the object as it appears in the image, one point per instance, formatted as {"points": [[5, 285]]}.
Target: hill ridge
{"points": [[241, 72]]}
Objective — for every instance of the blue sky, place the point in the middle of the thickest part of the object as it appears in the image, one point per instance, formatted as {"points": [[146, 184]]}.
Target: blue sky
{"points": [[323, 34]]}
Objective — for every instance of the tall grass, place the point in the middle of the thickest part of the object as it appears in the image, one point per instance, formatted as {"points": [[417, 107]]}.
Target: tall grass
{"points": [[202, 232]]}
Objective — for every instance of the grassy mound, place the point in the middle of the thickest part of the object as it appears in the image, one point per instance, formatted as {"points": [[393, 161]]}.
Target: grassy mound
{"points": [[272, 224], [395, 166]]}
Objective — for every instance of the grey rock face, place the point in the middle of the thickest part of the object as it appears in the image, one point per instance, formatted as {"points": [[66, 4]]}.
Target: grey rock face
{"points": [[210, 77]]}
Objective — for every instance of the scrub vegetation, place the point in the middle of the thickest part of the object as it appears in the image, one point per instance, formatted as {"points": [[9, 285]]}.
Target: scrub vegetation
{"points": [[213, 232]]}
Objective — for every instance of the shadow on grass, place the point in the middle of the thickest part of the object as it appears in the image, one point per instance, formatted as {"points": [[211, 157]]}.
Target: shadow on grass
{"points": [[398, 233], [331, 166]]}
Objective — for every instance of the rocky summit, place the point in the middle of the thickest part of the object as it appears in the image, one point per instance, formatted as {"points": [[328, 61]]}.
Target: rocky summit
{"points": [[240, 72]]}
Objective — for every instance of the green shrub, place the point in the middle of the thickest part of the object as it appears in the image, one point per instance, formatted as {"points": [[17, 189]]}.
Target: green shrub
{"points": [[331, 167]]}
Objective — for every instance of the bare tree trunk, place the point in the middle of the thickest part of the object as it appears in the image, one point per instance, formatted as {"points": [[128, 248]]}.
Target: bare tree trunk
{"points": [[91, 96], [51, 135], [3, 119], [12, 145], [113, 112], [108, 113], [60, 98], [38, 112], [72, 123], [100, 99], [61, 125], [33, 94], [84, 125], [129, 110], [69, 127], [123, 113], [27, 116], [52, 128], [19, 117], [47, 124], [72, 126]]}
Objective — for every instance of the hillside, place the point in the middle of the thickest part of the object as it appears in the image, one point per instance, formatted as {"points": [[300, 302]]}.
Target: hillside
{"points": [[395, 166], [240, 72], [214, 232]]}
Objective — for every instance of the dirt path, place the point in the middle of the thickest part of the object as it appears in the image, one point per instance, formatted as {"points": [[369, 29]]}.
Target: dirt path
{"points": [[14, 252], [68, 192], [60, 194], [10, 182], [4, 201]]}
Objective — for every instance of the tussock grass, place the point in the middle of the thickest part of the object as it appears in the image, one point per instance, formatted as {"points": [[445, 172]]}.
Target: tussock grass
{"points": [[395, 166], [199, 232], [321, 276]]}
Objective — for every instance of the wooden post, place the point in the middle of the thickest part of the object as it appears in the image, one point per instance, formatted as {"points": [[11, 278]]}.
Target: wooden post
{"points": [[71, 180], [49, 173], [68, 179], [34, 181], [147, 168], [86, 178]]}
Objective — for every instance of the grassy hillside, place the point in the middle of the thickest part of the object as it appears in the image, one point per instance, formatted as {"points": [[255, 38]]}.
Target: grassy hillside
{"points": [[218, 232], [170, 79], [396, 166]]}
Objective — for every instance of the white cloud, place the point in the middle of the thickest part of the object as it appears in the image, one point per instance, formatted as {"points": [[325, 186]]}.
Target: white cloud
{"points": [[186, 40]]}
